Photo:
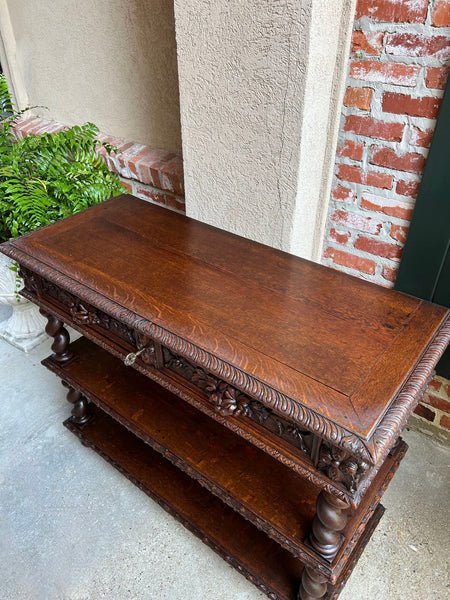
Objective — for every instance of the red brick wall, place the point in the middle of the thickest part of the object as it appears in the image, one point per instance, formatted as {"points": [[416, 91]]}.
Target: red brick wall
{"points": [[148, 173], [396, 76]]}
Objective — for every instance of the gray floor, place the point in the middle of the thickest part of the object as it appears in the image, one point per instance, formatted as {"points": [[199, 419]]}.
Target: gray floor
{"points": [[72, 528]]}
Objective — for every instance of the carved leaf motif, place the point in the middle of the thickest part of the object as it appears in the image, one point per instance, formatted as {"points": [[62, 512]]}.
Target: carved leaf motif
{"points": [[30, 280], [260, 413], [342, 467], [141, 342], [191, 372], [177, 364], [204, 380], [83, 315], [230, 401]]}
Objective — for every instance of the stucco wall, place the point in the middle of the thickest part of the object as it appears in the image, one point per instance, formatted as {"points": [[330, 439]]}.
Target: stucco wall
{"points": [[112, 62], [247, 135], [241, 65]]}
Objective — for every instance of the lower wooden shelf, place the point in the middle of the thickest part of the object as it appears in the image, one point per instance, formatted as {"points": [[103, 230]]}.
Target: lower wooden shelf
{"points": [[264, 562]]}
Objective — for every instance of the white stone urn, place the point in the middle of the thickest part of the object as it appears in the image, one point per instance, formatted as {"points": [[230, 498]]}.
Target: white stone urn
{"points": [[25, 328]]}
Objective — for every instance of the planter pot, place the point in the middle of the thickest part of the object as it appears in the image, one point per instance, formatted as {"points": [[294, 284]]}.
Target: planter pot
{"points": [[25, 328]]}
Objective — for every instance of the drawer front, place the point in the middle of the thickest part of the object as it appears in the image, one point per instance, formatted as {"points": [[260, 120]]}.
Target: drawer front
{"points": [[109, 332]]}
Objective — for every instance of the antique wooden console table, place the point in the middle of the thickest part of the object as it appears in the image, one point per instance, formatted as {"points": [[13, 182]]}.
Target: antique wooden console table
{"points": [[256, 396]]}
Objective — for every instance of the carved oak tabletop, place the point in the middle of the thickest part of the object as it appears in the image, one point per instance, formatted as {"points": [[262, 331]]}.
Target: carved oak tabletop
{"points": [[276, 346]]}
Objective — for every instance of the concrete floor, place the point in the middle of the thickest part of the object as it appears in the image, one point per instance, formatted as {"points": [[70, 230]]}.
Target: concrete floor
{"points": [[73, 528]]}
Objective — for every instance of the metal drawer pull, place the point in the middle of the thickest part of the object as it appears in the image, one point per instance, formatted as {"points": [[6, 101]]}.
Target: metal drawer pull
{"points": [[130, 359]]}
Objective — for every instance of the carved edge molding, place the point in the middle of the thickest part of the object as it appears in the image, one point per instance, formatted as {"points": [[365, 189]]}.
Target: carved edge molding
{"points": [[395, 419], [272, 398], [373, 450]]}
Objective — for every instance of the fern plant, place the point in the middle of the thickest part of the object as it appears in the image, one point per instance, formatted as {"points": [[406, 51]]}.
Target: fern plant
{"points": [[5, 99], [44, 178]]}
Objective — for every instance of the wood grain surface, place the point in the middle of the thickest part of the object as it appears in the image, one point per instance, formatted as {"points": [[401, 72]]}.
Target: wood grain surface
{"points": [[336, 344]]}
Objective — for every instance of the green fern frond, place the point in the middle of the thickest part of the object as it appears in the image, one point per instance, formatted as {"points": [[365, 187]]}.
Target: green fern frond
{"points": [[6, 104], [48, 177]]}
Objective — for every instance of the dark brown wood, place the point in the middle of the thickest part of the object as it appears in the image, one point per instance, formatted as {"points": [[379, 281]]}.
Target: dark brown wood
{"points": [[261, 560], [273, 497], [313, 586], [55, 329], [80, 410], [120, 340], [330, 519], [275, 386], [369, 528], [111, 334]]}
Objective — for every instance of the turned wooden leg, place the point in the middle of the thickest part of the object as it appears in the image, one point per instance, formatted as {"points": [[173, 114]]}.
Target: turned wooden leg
{"points": [[80, 412], [325, 537], [55, 328], [313, 585], [331, 518]]}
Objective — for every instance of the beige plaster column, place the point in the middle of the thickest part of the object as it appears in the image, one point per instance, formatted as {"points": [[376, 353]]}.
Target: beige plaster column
{"points": [[261, 86]]}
